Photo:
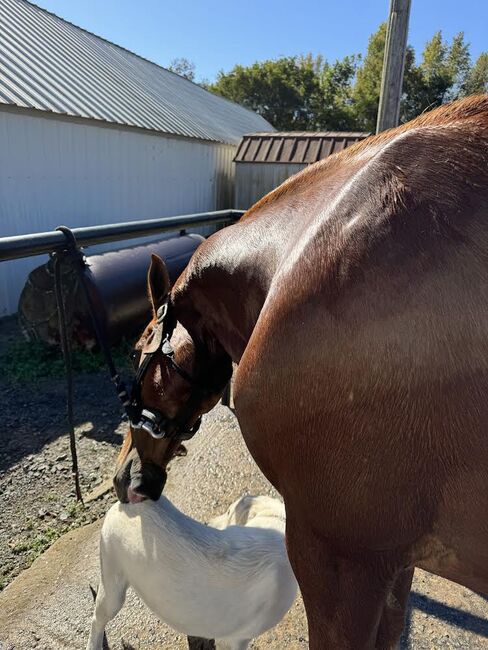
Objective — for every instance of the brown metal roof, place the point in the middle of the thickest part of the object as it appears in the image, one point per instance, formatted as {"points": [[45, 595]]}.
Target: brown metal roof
{"points": [[302, 147]]}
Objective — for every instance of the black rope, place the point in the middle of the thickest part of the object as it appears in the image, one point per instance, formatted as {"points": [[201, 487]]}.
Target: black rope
{"points": [[131, 402], [66, 349], [79, 261], [72, 253]]}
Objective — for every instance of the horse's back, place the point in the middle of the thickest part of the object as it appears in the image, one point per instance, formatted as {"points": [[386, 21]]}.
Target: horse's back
{"points": [[371, 352]]}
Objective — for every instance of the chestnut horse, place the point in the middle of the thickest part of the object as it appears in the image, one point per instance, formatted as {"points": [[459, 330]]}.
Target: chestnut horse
{"points": [[354, 299]]}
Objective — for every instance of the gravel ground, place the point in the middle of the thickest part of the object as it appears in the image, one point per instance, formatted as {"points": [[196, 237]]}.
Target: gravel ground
{"points": [[48, 606], [37, 499]]}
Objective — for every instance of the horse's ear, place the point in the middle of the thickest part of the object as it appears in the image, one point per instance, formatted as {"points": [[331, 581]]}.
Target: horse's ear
{"points": [[158, 284]]}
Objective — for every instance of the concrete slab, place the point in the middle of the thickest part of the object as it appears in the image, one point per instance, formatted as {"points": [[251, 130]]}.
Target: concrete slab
{"points": [[49, 606]]}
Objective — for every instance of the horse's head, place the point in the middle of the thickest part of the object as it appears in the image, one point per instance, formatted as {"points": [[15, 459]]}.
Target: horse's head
{"points": [[178, 379]]}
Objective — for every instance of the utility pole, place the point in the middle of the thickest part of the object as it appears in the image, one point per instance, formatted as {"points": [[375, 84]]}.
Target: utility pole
{"points": [[393, 65]]}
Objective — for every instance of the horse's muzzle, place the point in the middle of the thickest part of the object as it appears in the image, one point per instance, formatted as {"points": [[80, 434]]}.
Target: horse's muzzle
{"points": [[135, 481]]}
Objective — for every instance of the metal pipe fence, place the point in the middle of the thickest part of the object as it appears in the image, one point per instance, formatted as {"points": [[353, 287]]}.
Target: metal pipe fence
{"points": [[19, 246], [29, 245]]}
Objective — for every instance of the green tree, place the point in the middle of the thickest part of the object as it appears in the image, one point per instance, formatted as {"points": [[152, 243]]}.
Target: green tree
{"points": [[441, 76], [444, 69], [294, 93], [366, 91], [309, 93], [458, 63], [336, 102], [283, 91], [183, 67], [476, 81], [412, 102]]}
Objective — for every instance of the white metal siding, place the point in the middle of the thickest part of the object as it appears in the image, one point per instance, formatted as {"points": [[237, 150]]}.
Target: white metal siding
{"points": [[56, 172], [255, 180]]}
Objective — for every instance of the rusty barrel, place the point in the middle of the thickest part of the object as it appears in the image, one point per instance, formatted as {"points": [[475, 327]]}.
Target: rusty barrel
{"points": [[117, 287]]}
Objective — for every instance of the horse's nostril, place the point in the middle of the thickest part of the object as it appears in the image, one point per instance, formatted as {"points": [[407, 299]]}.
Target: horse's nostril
{"points": [[134, 497]]}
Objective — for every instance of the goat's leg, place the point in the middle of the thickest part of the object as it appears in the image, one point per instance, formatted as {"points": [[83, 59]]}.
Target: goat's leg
{"points": [[197, 643], [234, 644], [393, 617], [110, 598]]}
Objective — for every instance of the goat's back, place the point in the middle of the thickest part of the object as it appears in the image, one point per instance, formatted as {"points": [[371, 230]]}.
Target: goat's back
{"points": [[232, 583]]}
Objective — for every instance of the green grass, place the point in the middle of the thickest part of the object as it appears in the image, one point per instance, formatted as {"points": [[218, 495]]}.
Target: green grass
{"points": [[39, 543], [74, 509], [35, 542], [43, 540], [31, 548], [31, 360], [5, 575]]}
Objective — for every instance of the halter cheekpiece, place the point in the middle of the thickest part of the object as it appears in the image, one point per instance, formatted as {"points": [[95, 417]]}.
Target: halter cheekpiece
{"points": [[150, 420]]}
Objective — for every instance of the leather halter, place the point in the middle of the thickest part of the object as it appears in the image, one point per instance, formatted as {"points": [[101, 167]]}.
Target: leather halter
{"points": [[139, 417], [150, 420]]}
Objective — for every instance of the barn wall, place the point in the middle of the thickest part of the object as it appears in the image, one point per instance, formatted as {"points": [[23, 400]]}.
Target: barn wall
{"points": [[56, 172], [255, 180]]}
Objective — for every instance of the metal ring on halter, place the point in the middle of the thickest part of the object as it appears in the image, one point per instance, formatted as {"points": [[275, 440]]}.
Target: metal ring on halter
{"points": [[151, 423]]}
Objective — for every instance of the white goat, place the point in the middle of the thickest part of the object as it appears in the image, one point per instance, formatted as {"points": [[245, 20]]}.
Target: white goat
{"points": [[258, 512], [230, 585]]}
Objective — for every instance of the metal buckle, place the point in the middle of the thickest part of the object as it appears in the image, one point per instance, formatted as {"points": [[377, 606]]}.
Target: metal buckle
{"points": [[161, 312], [167, 348], [150, 422], [149, 428]]}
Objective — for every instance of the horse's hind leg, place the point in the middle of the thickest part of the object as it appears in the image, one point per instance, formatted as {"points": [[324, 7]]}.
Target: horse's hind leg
{"points": [[344, 597]]}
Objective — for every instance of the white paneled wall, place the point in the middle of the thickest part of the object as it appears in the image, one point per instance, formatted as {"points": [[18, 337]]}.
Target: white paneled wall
{"points": [[56, 172], [255, 180]]}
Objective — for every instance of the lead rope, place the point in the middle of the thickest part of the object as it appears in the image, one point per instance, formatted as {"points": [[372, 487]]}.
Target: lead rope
{"points": [[66, 349], [72, 252], [79, 263]]}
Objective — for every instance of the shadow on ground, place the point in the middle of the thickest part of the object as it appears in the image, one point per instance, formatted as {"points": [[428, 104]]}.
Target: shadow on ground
{"points": [[34, 414]]}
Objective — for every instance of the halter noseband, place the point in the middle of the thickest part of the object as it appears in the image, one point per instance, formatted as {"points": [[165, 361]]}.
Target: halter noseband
{"points": [[149, 420]]}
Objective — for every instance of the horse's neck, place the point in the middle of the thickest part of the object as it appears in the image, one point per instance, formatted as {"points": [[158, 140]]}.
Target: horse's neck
{"points": [[223, 290]]}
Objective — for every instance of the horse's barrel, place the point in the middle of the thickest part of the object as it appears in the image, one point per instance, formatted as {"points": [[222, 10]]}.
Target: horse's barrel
{"points": [[117, 285]]}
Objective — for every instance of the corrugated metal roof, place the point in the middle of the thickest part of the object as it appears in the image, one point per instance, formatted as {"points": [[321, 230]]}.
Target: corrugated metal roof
{"points": [[301, 147], [49, 64]]}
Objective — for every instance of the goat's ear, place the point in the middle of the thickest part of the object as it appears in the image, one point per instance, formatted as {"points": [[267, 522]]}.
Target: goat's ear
{"points": [[158, 284]]}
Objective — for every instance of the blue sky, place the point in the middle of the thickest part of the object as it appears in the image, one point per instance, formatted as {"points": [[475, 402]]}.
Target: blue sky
{"points": [[217, 34]]}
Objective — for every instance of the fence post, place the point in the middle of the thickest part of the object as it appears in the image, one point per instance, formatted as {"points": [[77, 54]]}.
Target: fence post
{"points": [[393, 65]]}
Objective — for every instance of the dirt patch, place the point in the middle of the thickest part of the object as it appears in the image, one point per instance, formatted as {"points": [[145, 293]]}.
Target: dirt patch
{"points": [[37, 499]]}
